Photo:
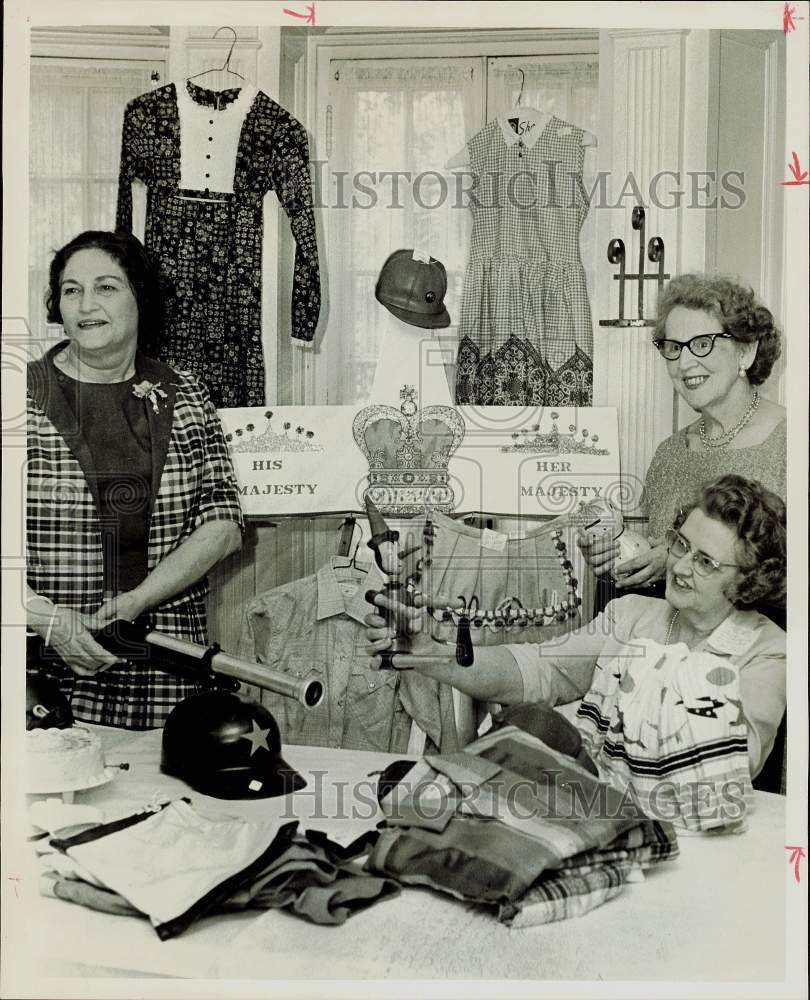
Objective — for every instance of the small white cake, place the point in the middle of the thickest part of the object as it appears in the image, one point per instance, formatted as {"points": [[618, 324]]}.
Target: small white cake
{"points": [[62, 760]]}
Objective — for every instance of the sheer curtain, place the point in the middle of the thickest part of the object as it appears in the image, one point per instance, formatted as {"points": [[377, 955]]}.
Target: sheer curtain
{"points": [[401, 116], [77, 109]]}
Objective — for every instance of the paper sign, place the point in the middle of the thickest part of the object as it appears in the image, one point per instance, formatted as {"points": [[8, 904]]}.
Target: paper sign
{"points": [[510, 461]]}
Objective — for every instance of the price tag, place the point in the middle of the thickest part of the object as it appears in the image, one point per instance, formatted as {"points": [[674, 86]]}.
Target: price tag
{"points": [[495, 540], [422, 256]]}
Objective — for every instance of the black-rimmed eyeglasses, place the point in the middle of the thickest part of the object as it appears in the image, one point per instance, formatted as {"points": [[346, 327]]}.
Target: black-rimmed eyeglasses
{"points": [[704, 565], [699, 346]]}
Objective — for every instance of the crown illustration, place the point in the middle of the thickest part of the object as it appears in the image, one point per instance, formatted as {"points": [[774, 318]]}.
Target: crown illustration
{"points": [[251, 438], [531, 441], [408, 452]]}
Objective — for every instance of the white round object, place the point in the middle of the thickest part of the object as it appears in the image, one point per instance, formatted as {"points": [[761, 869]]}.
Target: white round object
{"points": [[600, 517], [64, 760]]}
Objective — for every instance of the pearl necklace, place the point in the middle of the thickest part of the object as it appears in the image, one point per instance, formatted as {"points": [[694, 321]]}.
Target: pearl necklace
{"points": [[672, 621], [725, 439]]}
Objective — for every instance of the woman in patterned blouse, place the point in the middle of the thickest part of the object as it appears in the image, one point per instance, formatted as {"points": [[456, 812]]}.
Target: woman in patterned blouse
{"points": [[131, 495], [681, 698], [719, 344]]}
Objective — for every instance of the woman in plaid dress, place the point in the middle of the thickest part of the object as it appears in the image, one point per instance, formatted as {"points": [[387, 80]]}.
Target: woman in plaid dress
{"points": [[131, 494]]}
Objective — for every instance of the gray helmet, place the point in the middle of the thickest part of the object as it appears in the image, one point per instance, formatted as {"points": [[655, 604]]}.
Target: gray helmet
{"points": [[226, 747], [413, 290]]}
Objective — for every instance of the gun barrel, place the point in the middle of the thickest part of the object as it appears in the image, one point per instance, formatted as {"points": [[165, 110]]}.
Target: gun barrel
{"points": [[309, 692]]}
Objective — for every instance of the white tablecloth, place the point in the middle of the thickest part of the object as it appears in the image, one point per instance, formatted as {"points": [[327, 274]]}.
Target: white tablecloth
{"points": [[715, 913]]}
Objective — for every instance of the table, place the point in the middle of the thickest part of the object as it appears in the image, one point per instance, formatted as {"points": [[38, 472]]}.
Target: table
{"points": [[715, 913]]}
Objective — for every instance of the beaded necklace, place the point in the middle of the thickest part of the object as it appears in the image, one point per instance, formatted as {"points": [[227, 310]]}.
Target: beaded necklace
{"points": [[510, 613], [672, 621], [725, 439]]}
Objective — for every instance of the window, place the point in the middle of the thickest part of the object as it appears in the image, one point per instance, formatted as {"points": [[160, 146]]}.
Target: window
{"points": [[77, 109], [391, 126]]}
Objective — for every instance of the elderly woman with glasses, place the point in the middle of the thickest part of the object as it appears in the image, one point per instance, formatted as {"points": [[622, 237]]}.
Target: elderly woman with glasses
{"points": [[719, 345], [681, 697]]}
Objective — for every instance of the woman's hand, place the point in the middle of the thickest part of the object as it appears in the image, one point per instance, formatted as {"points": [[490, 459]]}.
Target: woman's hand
{"points": [[125, 607], [405, 620], [643, 568], [67, 633], [600, 552]]}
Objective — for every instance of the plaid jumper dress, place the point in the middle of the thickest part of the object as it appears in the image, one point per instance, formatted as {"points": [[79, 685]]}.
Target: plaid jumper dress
{"points": [[525, 334], [192, 482]]}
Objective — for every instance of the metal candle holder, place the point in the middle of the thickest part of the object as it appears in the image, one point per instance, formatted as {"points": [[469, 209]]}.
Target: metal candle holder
{"points": [[616, 255]]}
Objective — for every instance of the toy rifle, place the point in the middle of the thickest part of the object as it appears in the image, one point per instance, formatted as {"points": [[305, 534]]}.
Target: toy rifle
{"points": [[135, 642]]}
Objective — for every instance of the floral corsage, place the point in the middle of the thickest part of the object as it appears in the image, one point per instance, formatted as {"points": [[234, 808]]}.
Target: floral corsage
{"points": [[150, 391]]}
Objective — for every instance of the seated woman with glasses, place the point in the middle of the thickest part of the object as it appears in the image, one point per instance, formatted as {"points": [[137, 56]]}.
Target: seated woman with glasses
{"points": [[719, 344], [681, 697]]}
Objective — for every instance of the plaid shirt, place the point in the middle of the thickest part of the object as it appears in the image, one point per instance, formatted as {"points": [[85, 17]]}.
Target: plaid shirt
{"points": [[192, 483]]}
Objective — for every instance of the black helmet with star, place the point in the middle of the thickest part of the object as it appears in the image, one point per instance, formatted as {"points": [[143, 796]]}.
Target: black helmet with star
{"points": [[226, 747]]}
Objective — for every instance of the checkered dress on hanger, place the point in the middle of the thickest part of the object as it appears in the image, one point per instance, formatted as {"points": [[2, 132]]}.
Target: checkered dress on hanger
{"points": [[525, 334]]}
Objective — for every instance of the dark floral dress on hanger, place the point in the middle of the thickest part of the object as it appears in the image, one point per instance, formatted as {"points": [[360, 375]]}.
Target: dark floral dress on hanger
{"points": [[204, 226]]}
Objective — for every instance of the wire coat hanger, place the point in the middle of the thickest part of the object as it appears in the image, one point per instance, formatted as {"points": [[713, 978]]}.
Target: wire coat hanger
{"points": [[522, 85], [226, 66]]}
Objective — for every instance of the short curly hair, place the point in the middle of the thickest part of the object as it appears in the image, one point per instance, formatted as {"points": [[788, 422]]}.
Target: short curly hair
{"points": [[143, 276], [734, 306], [759, 517]]}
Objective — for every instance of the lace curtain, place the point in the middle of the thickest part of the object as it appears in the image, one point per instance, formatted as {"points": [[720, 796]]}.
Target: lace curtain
{"points": [[76, 116], [400, 117]]}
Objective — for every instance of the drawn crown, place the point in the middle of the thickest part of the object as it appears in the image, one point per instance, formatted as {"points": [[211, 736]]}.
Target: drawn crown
{"points": [[408, 452]]}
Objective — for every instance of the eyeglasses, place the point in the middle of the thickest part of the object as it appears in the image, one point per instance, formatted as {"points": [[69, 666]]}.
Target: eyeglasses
{"points": [[704, 565], [700, 346]]}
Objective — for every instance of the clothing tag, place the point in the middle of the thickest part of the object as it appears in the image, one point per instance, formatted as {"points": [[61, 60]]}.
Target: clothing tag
{"points": [[421, 256], [731, 637], [493, 540], [521, 126]]}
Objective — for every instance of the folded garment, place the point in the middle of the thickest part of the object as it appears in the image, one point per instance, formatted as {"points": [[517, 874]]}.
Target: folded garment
{"points": [[562, 895], [646, 845], [174, 865], [75, 890], [311, 875], [511, 815]]}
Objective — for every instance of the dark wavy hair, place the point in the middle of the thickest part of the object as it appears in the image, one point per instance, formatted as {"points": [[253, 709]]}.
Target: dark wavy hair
{"points": [[759, 518], [736, 309], [144, 278]]}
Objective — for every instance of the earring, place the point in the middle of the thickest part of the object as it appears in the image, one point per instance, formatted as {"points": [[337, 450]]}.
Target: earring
{"points": [[743, 372]]}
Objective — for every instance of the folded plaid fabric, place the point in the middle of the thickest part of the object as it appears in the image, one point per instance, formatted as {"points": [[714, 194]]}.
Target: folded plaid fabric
{"points": [[644, 846], [560, 896], [503, 818]]}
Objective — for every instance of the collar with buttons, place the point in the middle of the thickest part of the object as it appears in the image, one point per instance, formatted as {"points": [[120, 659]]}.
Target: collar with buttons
{"points": [[209, 135]]}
